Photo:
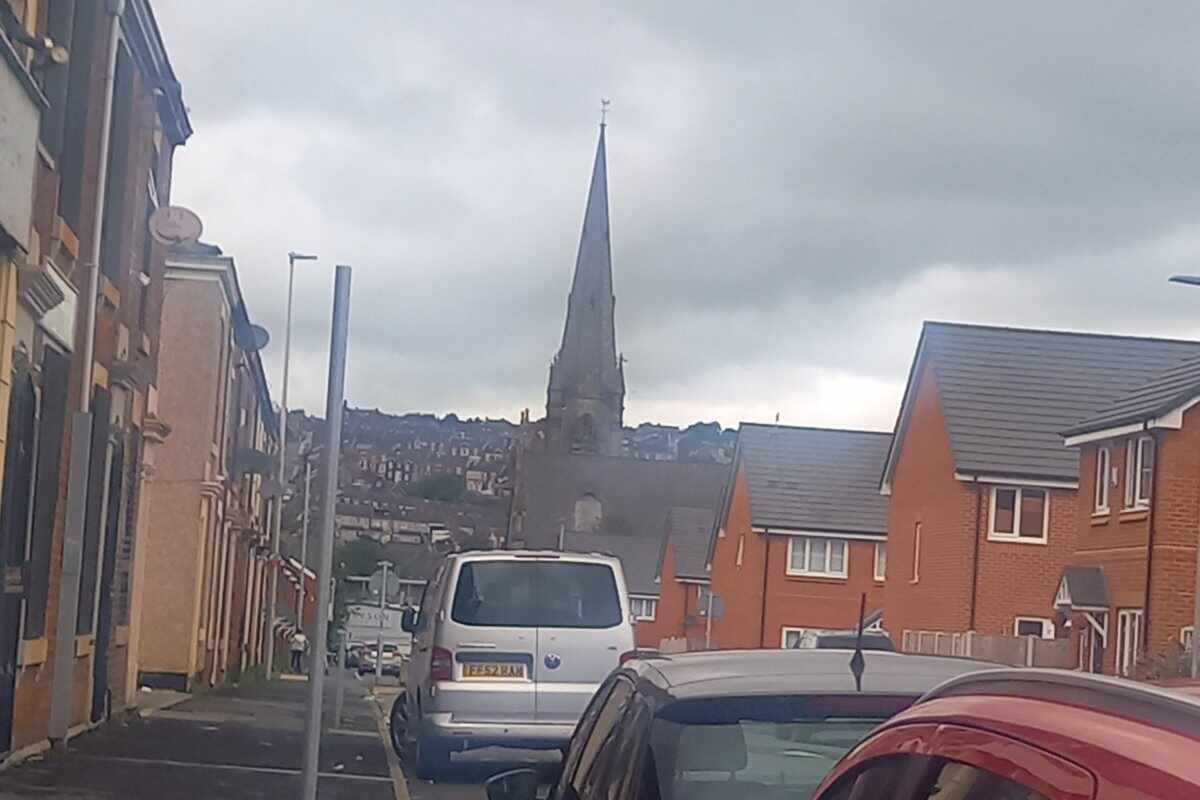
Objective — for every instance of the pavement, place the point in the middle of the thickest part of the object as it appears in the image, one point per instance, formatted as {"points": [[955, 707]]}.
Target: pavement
{"points": [[232, 743]]}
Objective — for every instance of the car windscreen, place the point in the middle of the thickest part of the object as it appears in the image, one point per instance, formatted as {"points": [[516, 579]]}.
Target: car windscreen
{"points": [[781, 745], [527, 594]]}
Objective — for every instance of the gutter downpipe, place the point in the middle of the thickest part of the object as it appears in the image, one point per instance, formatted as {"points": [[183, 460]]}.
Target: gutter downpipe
{"points": [[1145, 632], [81, 425], [975, 553], [762, 620]]}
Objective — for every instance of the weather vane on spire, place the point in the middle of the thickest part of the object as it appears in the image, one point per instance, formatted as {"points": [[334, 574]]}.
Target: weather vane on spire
{"points": [[604, 104]]}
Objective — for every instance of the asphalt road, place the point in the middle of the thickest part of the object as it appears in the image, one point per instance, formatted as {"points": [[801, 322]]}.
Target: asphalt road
{"points": [[469, 771]]}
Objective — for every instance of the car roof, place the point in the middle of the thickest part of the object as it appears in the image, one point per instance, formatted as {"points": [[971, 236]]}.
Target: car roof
{"points": [[547, 555], [730, 673], [1117, 697]]}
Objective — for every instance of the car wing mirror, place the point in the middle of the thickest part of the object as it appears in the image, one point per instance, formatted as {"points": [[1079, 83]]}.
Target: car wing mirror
{"points": [[408, 620], [517, 784]]}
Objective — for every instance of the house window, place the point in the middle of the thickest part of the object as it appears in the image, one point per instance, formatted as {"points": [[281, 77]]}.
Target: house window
{"points": [[1139, 471], [811, 555], [1033, 626], [1103, 462], [1129, 636], [797, 638], [1185, 637], [1018, 514], [587, 513], [643, 609], [880, 560], [916, 575]]}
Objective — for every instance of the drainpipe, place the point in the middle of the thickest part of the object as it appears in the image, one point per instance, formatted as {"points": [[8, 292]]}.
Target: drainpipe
{"points": [[975, 551], [1145, 632], [762, 621], [81, 427]]}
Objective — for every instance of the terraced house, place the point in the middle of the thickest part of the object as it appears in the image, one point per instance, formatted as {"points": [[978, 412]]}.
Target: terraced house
{"points": [[983, 513]]}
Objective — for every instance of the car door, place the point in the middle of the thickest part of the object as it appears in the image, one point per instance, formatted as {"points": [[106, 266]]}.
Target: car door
{"points": [[597, 727], [418, 666], [952, 762], [582, 635]]}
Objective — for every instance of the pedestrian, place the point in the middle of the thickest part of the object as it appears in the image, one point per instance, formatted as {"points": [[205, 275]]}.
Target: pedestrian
{"points": [[299, 645]]}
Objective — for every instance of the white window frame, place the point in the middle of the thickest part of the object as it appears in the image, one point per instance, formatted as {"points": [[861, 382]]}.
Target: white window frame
{"points": [[1047, 626], [1185, 637], [1137, 490], [800, 632], [807, 570], [1129, 635], [645, 602], [1103, 479], [880, 556], [1015, 536]]}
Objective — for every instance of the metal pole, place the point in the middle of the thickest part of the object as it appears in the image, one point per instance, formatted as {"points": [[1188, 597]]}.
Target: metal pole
{"points": [[324, 568], [81, 423], [382, 612], [283, 398], [708, 622], [340, 682], [1196, 621], [303, 546]]}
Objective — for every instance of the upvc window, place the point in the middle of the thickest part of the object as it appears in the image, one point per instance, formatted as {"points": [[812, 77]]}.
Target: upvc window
{"points": [[643, 609], [814, 555], [1033, 626], [1019, 513], [1103, 472], [880, 560], [1139, 471], [1129, 640]]}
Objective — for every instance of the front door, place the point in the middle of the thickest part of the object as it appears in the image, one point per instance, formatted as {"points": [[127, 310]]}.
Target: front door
{"points": [[112, 524], [580, 639], [14, 528]]}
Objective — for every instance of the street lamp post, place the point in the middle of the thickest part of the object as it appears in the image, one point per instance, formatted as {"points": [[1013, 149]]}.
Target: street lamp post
{"points": [[1193, 280], [293, 257], [304, 544]]}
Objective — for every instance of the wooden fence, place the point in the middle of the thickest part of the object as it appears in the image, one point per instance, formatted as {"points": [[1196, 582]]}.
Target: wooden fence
{"points": [[1017, 651]]}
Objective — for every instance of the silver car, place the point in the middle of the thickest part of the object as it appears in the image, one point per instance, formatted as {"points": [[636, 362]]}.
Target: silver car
{"points": [[508, 648]]}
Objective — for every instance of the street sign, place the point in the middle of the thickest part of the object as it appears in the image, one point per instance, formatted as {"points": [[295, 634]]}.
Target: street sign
{"points": [[717, 608], [393, 583]]}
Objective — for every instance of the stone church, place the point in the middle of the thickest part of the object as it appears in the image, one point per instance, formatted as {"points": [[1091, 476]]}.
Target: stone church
{"points": [[572, 489]]}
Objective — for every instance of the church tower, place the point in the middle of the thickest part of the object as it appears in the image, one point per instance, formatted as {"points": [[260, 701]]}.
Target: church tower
{"points": [[585, 400]]}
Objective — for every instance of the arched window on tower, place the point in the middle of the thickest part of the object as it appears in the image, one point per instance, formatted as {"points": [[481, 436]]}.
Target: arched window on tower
{"points": [[583, 438], [588, 513]]}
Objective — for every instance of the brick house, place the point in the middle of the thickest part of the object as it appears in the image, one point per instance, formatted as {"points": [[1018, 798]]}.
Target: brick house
{"points": [[205, 549], [84, 232], [983, 494], [1129, 588], [802, 535]]}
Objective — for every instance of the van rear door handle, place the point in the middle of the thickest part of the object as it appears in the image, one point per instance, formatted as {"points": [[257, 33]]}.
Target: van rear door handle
{"points": [[479, 645]]}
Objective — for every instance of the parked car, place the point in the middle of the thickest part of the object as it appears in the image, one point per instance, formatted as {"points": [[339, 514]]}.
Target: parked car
{"points": [[391, 660], [509, 647], [736, 724], [1030, 735]]}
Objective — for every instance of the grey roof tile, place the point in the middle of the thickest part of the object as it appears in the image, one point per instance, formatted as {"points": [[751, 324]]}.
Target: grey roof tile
{"points": [[814, 478], [1172, 387], [1087, 586], [688, 531], [1007, 394], [638, 555]]}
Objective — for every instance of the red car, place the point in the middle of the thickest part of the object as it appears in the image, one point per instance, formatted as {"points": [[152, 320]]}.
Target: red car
{"points": [[1029, 735]]}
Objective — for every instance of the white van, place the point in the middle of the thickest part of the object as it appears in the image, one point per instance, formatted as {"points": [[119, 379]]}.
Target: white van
{"points": [[508, 648]]}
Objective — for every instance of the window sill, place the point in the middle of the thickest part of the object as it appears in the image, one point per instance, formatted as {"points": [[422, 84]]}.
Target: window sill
{"points": [[816, 576], [1099, 519], [1134, 514], [33, 652], [1015, 540]]}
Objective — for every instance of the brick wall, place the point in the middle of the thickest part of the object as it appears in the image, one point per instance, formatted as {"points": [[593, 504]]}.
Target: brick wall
{"points": [[741, 585], [1176, 525], [676, 602], [925, 493]]}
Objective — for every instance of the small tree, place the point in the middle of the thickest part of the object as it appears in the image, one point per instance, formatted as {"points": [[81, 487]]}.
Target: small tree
{"points": [[447, 487]]}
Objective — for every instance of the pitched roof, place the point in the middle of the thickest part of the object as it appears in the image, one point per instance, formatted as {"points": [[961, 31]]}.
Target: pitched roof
{"points": [[1007, 394], [1085, 587], [638, 554], [1170, 389], [634, 495], [814, 479], [688, 531]]}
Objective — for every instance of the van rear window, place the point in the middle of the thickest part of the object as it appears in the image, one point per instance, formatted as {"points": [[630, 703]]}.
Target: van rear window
{"points": [[516, 594]]}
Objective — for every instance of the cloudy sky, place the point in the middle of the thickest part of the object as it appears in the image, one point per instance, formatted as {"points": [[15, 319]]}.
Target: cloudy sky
{"points": [[794, 186]]}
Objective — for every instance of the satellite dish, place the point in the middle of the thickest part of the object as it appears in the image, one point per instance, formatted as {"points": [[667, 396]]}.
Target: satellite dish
{"points": [[250, 337], [175, 225]]}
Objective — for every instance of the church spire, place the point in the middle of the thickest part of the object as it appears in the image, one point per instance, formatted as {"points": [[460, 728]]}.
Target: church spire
{"points": [[586, 394]]}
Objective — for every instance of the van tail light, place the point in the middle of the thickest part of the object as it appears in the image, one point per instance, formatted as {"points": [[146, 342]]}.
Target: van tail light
{"points": [[441, 664], [628, 655]]}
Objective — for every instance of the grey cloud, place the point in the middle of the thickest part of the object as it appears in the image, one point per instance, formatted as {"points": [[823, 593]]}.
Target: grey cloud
{"points": [[794, 186]]}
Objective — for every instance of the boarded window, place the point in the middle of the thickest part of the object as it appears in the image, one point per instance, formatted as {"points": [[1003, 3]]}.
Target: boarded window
{"points": [[116, 225], [52, 426], [93, 515]]}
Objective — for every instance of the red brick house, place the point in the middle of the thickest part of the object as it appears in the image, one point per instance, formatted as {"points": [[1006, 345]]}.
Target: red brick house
{"points": [[802, 535], [983, 514], [1129, 589]]}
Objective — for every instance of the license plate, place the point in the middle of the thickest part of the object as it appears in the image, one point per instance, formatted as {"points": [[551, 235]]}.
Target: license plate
{"points": [[492, 670]]}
